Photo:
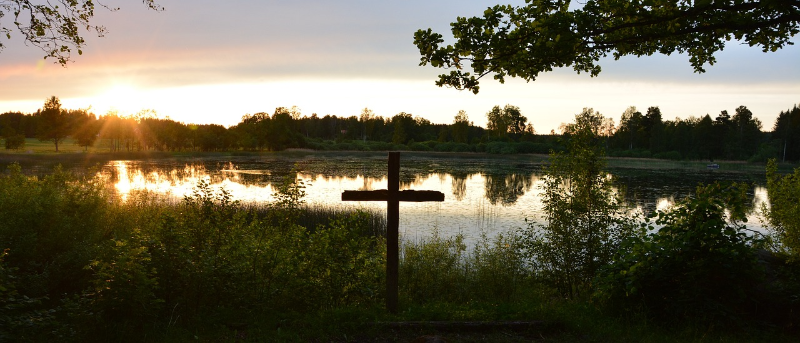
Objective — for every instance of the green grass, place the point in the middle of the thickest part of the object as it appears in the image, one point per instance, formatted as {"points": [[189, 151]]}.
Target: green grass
{"points": [[67, 146]]}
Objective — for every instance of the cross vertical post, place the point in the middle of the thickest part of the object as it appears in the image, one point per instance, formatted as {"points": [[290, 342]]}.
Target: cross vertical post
{"points": [[393, 196], [392, 232]]}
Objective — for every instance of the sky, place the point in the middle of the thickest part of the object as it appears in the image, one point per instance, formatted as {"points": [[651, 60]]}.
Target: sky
{"points": [[204, 61]]}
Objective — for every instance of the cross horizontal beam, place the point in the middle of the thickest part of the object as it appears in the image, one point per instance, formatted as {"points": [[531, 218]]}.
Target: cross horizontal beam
{"points": [[383, 195]]}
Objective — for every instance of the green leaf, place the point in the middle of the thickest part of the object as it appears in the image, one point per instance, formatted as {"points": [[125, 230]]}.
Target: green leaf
{"points": [[702, 3]]}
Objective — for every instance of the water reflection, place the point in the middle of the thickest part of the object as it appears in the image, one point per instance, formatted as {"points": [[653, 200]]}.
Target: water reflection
{"points": [[459, 185], [482, 196], [753, 207], [507, 188]]}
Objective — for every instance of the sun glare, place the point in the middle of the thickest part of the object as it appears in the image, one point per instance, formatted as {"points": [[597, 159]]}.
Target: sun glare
{"points": [[125, 99]]}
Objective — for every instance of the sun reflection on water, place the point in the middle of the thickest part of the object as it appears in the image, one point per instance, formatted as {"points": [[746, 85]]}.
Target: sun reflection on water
{"points": [[476, 202]]}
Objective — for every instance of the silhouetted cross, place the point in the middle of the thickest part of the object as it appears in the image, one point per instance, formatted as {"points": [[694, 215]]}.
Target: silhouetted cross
{"points": [[393, 196]]}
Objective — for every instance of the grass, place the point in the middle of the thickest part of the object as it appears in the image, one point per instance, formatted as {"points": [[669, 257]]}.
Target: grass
{"points": [[35, 146], [552, 320]]}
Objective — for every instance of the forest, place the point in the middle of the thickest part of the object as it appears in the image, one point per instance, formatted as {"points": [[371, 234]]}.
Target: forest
{"points": [[726, 136]]}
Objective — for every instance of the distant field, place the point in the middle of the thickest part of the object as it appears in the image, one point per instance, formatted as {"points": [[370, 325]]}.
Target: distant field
{"points": [[35, 146]]}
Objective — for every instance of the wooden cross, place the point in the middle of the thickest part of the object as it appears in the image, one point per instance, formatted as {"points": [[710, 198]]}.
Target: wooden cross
{"points": [[393, 196]]}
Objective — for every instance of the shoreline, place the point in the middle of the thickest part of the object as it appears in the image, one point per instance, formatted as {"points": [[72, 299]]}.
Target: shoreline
{"points": [[88, 158]]}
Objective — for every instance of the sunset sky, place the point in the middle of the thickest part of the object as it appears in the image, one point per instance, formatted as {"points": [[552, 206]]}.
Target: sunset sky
{"points": [[205, 61]]}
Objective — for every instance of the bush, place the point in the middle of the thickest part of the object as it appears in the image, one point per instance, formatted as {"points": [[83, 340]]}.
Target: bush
{"points": [[533, 148], [784, 198], [696, 266], [504, 148], [499, 268], [418, 147], [669, 155], [15, 142], [381, 146], [345, 146], [453, 147], [766, 151], [51, 228]]}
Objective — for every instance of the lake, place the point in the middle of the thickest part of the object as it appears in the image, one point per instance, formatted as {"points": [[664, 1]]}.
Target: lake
{"points": [[484, 194]]}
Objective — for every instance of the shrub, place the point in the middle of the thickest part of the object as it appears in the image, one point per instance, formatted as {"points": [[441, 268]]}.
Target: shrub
{"points": [[51, 228], [498, 268], [696, 265], [15, 142], [418, 147], [432, 269], [766, 151], [504, 148], [381, 146], [124, 283], [784, 198], [669, 155]]}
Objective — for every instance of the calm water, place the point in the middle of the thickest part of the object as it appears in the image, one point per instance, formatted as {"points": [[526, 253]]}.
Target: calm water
{"points": [[483, 195]]}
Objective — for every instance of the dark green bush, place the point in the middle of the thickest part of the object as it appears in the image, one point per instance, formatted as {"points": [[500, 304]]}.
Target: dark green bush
{"points": [[15, 142], [696, 266], [453, 147], [504, 148], [51, 228], [765, 152], [669, 155], [381, 146], [418, 147]]}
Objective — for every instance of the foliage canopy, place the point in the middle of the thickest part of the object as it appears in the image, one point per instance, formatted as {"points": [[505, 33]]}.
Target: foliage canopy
{"points": [[546, 34], [54, 26]]}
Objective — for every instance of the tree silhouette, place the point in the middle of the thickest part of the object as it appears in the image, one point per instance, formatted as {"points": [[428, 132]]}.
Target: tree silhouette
{"points": [[54, 26], [543, 35], [507, 120], [53, 124]]}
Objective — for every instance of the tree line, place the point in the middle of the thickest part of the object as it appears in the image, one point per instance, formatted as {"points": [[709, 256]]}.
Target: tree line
{"points": [[736, 136], [733, 137]]}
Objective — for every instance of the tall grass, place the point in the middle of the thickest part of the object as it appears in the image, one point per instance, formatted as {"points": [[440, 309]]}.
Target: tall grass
{"points": [[443, 269]]}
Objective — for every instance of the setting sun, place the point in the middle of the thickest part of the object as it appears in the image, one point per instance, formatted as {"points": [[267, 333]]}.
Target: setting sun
{"points": [[122, 98]]}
